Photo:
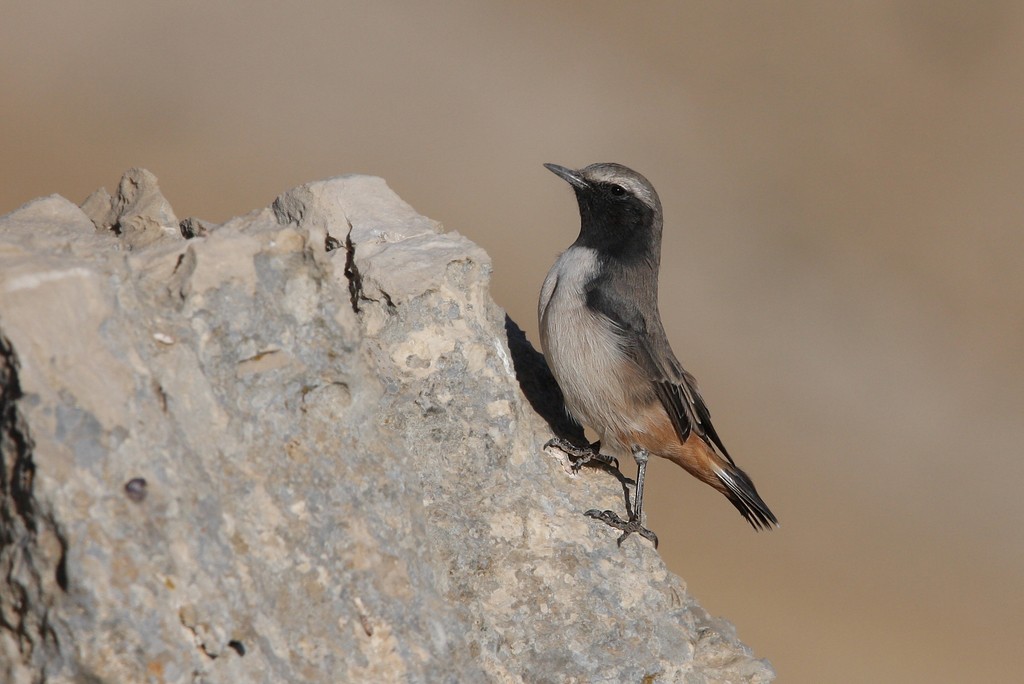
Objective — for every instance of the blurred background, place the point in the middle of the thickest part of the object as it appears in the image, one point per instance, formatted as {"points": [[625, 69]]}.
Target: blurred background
{"points": [[842, 184]]}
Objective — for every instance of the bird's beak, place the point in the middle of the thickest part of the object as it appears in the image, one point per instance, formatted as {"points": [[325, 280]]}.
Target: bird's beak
{"points": [[572, 177]]}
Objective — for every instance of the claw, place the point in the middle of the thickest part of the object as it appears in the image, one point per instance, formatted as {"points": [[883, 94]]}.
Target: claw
{"points": [[578, 456], [628, 527]]}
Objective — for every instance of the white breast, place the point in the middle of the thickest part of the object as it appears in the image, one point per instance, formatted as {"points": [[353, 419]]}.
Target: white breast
{"points": [[583, 350]]}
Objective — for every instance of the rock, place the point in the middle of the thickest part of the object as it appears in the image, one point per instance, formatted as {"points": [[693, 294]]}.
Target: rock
{"points": [[99, 206], [139, 213], [252, 456], [192, 227]]}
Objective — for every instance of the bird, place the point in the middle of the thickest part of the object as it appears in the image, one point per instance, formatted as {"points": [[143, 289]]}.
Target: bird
{"points": [[603, 339]]}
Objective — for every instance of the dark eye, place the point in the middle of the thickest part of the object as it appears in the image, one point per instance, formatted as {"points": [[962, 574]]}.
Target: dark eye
{"points": [[618, 190]]}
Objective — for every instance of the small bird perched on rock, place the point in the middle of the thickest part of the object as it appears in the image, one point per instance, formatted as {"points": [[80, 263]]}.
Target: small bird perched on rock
{"points": [[604, 342]]}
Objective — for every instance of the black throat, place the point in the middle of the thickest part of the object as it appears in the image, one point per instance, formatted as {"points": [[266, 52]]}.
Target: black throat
{"points": [[625, 230]]}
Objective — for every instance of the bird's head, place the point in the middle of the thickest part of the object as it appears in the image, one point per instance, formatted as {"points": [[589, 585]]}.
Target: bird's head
{"points": [[620, 212]]}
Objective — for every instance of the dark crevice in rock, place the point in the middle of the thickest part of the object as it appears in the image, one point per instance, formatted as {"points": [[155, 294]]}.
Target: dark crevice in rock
{"points": [[136, 489], [61, 574], [16, 465], [192, 227], [24, 527], [355, 279]]}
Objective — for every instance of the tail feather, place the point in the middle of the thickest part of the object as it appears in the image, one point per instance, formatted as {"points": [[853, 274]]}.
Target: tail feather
{"points": [[740, 491]]}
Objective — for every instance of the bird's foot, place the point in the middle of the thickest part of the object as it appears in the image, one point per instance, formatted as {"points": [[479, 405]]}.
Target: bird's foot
{"points": [[578, 456], [628, 527]]}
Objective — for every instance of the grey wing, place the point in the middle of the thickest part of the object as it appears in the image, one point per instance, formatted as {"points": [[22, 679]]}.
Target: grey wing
{"points": [[646, 343]]}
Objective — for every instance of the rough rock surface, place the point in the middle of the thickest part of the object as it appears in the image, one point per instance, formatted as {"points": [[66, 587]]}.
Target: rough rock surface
{"points": [[303, 446]]}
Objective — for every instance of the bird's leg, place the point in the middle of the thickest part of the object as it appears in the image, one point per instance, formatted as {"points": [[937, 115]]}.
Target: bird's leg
{"points": [[634, 524], [580, 455]]}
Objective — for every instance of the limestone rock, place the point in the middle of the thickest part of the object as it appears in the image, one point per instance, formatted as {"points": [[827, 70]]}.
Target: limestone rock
{"points": [[249, 457], [139, 213]]}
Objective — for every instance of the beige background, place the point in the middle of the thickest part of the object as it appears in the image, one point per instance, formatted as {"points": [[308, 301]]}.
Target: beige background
{"points": [[843, 192]]}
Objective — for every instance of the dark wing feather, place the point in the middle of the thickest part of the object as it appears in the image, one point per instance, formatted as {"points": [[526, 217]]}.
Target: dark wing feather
{"points": [[675, 404]]}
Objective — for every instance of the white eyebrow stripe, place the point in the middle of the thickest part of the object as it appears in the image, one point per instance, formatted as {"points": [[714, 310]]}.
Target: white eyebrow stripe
{"points": [[630, 184]]}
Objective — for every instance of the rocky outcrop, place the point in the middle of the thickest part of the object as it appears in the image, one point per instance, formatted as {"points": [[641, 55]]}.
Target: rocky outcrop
{"points": [[303, 446]]}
